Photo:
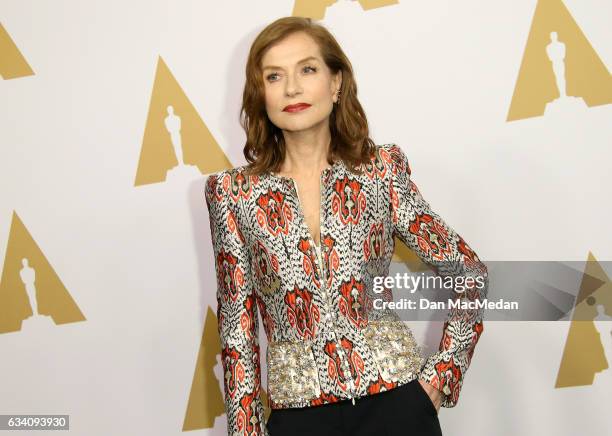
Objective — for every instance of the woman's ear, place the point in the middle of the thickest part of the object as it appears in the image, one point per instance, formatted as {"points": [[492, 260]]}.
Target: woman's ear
{"points": [[338, 80]]}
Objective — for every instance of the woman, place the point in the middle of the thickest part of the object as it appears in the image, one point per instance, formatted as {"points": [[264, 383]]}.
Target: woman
{"points": [[301, 232]]}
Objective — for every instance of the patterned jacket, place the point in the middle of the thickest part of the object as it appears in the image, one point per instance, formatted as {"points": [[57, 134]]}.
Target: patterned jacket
{"points": [[322, 346]]}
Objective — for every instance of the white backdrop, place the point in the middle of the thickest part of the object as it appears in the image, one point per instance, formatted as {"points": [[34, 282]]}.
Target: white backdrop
{"points": [[437, 78]]}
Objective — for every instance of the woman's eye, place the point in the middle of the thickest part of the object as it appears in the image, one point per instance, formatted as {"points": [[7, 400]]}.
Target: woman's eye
{"points": [[270, 77]]}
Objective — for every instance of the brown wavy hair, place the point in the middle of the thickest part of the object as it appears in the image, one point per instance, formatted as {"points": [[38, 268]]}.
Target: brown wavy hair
{"points": [[264, 149]]}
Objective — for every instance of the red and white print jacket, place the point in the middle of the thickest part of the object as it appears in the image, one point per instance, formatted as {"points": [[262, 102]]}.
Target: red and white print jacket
{"points": [[322, 345]]}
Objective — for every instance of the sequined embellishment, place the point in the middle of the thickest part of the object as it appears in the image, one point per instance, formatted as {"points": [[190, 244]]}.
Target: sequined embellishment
{"points": [[393, 345], [292, 372]]}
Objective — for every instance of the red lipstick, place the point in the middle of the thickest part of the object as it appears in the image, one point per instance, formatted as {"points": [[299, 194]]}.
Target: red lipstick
{"points": [[296, 107]]}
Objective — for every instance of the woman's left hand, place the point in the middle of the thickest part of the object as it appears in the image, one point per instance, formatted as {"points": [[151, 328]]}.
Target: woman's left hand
{"points": [[434, 395]]}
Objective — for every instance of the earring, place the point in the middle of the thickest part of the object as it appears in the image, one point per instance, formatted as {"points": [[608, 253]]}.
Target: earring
{"points": [[338, 97]]}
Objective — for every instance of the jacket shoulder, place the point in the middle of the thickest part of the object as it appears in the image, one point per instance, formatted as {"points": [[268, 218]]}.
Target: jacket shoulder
{"points": [[391, 148], [218, 185], [214, 181], [394, 156]]}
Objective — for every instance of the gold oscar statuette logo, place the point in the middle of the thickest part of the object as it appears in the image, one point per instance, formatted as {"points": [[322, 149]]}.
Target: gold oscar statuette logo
{"points": [[560, 71], [176, 144], [32, 296], [316, 8], [12, 63], [587, 356]]}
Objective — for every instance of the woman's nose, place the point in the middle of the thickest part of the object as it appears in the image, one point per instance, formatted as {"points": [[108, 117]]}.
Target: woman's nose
{"points": [[292, 86]]}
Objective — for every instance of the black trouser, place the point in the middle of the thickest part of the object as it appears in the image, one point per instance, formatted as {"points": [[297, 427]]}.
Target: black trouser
{"points": [[403, 411]]}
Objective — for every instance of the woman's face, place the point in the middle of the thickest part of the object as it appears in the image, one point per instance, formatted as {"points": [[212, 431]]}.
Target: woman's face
{"points": [[293, 73]]}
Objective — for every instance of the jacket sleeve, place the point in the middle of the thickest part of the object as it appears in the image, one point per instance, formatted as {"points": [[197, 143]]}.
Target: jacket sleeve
{"points": [[236, 313], [440, 247]]}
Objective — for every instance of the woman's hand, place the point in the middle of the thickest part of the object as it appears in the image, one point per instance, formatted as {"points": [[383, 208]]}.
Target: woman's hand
{"points": [[434, 394]]}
